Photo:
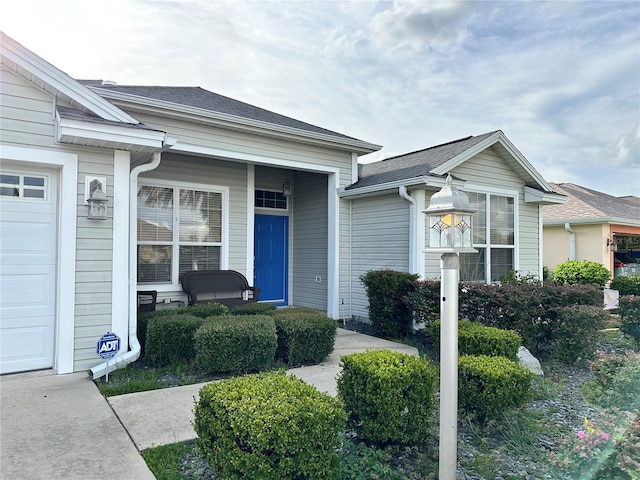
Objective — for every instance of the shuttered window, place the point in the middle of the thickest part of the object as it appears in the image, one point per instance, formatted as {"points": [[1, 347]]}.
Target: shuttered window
{"points": [[179, 229], [493, 237]]}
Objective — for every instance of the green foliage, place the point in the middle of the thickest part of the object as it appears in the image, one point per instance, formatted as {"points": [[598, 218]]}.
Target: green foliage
{"points": [[164, 461], [516, 278], [615, 381], [487, 386], [477, 339], [236, 344], [626, 285], [205, 310], [304, 338], [255, 308], [389, 396], [169, 339], [269, 426], [629, 311], [537, 313], [388, 311], [424, 301], [583, 272], [362, 462]]}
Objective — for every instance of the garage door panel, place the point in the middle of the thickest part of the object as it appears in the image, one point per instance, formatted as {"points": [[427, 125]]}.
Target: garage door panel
{"points": [[26, 348], [28, 246]]}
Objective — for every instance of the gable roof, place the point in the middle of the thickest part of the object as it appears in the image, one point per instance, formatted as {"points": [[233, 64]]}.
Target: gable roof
{"points": [[590, 206], [431, 165], [201, 103]]}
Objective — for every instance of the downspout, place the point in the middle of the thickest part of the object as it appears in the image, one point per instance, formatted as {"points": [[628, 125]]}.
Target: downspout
{"points": [[134, 344], [572, 241], [402, 190]]}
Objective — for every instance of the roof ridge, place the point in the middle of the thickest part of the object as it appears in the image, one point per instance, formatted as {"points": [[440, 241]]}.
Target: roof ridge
{"points": [[451, 142]]}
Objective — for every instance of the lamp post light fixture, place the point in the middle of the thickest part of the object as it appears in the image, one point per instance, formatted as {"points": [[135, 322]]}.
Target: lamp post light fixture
{"points": [[450, 233]]}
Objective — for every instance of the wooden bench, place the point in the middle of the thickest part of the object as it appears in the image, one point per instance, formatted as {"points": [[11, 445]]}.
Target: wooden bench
{"points": [[227, 287]]}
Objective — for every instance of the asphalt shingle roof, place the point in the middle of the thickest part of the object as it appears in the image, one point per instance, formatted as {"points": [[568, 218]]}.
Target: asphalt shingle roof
{"points": [[585, 204], [415, 164], [201, 98]]}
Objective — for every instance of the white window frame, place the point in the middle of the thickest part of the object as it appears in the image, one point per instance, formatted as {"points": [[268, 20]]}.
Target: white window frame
{"points": [[175, 244], [21, 174], [487, 246], [272, 210]]}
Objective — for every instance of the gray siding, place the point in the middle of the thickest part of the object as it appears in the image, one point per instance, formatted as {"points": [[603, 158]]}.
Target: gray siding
{"points": [[310, 241], [28, 120], [380, 240]]}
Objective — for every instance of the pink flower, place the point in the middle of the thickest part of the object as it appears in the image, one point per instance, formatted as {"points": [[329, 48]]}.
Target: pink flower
{"points": [[604, 435], [581, 434]]}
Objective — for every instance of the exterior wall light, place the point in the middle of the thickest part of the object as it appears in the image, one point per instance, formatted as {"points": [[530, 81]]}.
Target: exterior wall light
{"points": [[287, 189], [96, 198], [450, 233]]}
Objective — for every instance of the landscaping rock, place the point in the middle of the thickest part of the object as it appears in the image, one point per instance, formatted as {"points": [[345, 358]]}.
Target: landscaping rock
{"points": [[529, 361]]}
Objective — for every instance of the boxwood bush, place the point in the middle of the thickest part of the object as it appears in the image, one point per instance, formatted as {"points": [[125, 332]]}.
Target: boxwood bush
{"points": [[626, 285], [629, 311], [170, 338], [254, 308], [236, 344], [581, 272], [304, 338], [487, 386], [477, 339], [388, 310], [269, 426], [389, 396]]}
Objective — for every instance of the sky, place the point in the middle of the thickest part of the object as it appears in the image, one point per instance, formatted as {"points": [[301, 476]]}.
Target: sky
{"points": [[561, 79]]}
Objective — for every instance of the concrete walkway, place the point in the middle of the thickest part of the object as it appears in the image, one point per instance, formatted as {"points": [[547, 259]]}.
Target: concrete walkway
{"points": [[60, 426]]}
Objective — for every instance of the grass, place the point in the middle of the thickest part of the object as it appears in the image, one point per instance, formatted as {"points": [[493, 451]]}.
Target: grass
{"points": [[166, 461]]}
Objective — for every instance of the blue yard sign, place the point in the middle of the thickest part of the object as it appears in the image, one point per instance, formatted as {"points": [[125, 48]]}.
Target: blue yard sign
{"points": [[108, 345]]}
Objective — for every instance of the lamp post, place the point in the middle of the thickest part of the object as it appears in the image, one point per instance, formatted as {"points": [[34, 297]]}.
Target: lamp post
{"points": [[450, 233]]}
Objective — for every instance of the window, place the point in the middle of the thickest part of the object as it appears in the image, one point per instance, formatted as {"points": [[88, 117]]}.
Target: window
{"points": [[22, 186], [493, 237], [179, 229], [270, 199]]}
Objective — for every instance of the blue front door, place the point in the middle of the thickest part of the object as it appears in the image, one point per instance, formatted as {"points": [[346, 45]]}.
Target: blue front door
{"points": [[271, 244]]}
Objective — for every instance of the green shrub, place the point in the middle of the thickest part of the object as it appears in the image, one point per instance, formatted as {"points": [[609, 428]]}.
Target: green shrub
{"points": [[477, 339], [269, 427], [615, 381], [294, 311], [389, 396], [629, 311], [205, 310], [583, 272], [516, 278], [169, 339], [487, 386], [626, 285], [424, 301], [304, 338], [388, 310], [246, 343], [254, 308]]}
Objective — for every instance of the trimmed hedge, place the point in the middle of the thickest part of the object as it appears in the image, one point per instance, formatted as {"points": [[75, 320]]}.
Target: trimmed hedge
{"points": [[254, 309], [236, 344], [269, 427], [581, 272], [487, 386], [477, 339], [626, 285], [169, 338], [389, 396], [388, 311], [629, 311], [304, 338]]}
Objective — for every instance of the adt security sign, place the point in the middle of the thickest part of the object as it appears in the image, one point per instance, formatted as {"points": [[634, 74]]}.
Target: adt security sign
{"points": [[108, 345]]}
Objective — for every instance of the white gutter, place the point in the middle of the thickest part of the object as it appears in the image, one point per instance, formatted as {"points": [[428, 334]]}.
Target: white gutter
{"points": [[402, 190], [572, 241], [134, 344]]}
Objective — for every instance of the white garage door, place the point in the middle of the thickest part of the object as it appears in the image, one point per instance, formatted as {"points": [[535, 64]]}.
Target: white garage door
{"points": [[27, 268]]}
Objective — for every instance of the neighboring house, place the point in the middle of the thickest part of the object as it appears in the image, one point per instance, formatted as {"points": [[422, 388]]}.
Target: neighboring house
{"points": [[193, 180], [590, 226], [388, 226]]}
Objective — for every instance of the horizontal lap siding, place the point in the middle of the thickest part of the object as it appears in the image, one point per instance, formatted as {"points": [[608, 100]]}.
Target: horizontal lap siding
{"points": [[380, 240], [310, 241]]}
